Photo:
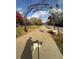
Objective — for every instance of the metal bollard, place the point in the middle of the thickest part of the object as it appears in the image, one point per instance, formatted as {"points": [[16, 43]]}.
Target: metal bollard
{"points": [[39, 43]]}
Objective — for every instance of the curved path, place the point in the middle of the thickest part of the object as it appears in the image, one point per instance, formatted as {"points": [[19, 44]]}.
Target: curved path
{"points": [[48, 50]]}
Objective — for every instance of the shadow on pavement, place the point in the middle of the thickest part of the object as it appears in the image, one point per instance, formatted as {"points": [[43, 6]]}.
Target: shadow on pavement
{"points": [[27, 52]]}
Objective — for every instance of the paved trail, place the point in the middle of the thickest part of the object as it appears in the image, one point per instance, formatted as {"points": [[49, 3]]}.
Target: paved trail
{"points": [[48, 50]]}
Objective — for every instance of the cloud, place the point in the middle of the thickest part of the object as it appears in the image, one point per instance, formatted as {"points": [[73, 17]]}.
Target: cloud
{"points": [[40, 14], [20, 10], [28, 17]]}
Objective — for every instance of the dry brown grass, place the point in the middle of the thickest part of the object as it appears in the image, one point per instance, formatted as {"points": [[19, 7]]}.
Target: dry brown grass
{"points": [[59, 41]]}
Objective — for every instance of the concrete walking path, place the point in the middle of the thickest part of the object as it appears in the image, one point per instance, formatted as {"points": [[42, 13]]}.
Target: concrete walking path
{"points": [[48, 50]]}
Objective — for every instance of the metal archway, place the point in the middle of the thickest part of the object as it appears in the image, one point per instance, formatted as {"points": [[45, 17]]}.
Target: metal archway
{"points": [[35, 7]]}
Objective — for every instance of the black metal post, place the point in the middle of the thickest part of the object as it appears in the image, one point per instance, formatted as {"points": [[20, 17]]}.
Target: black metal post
{"points": [[25, 29], [38, 49], [39, 43]]}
